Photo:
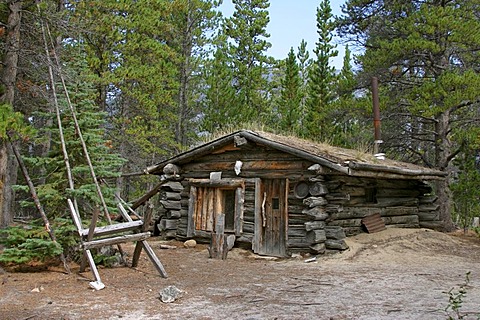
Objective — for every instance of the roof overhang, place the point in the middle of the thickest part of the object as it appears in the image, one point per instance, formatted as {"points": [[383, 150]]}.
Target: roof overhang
{"points": [[350, 167]]}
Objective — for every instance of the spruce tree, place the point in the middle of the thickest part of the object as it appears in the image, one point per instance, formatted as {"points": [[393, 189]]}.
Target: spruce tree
{"points": [[194, 22], [322, 76], [246, 30], [289, 102], [219, 93], [55, 187], [304, 64]]}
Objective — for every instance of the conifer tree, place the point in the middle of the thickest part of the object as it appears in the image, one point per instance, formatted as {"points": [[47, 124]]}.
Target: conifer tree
{"points": [[424, 54], [304, 64], [322, 76], [289, 102], [219, 93], [55, 187], [351, 111], [247, 31], [194, 22]]}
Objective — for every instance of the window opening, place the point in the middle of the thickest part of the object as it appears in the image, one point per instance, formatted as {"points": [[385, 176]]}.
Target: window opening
{"points": [[371, 195], [229, 208], [275, 203]]}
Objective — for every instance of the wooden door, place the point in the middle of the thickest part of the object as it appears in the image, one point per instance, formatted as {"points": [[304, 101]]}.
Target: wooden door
{"points": [[271, 217]]}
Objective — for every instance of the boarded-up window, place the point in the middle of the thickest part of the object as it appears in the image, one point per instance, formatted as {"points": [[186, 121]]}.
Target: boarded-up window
{"points": [[219, 197]]}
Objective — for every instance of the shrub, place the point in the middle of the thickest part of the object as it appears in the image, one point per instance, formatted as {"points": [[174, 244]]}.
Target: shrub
{"points": [[24, 244]]}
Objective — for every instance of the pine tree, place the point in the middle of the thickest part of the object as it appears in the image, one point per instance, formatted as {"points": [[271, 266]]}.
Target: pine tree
{"points": [[304, 64], [322, 76], [351, 111], [219, 93], [194, 22], [424, 55], [289, 103], [247, 31]]}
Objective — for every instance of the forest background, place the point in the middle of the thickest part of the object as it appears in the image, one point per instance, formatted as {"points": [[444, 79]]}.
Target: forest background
{"points": [[151, 78]]}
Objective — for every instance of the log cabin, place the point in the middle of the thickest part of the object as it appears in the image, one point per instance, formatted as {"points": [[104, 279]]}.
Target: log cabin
{"points": [[283, 195]]}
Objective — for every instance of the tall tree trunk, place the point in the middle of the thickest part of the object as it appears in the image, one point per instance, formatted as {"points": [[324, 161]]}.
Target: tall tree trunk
{"points": [[185, 69], [8, 168], [443, 151]]}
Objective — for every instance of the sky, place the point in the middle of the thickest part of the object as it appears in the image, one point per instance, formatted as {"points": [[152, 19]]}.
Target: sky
{"points": [[290, 22]]}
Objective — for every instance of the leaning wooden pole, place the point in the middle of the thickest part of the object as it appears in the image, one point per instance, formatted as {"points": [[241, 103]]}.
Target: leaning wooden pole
{"points": [[79, 133], [45, 29], [38, 205], [66, 160]]}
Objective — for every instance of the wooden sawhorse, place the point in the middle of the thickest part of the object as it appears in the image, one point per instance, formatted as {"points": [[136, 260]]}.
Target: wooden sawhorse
{"points": [[114, 234]]}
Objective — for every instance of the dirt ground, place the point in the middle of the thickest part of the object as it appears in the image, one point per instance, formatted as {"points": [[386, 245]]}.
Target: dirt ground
{"points": [[393, 274]]}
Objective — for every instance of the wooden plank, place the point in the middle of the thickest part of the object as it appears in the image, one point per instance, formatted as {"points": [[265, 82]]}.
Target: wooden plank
{"points": [[202, 206], [93, 224], [147, 196], [239, 210], [218, 248], [114, 228], [115, 240], [225, 182], [93, 266], [75, 217], [257, 239], [156, 262], [226, 148], [408, 220], [247, 166], [393, 202], [374, 223], [146, 223], [124, 212], [209, 213], [399, 211], [191, 211]]}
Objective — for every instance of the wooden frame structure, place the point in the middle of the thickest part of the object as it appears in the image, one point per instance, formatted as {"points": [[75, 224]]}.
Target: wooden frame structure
{"points": [[113, 234]]}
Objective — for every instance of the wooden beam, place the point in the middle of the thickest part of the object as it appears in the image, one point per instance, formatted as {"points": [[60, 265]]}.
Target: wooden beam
{"points": [[156, 262], [113, 228], [216, 183], [115, 240], [147, 196]]}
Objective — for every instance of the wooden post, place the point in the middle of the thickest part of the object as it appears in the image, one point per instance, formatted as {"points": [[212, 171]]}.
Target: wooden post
{"points": [[218, 244], [146, 222]]}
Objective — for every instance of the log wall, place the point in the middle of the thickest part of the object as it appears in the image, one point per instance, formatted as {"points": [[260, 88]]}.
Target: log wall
{"points": [[328, 207]]}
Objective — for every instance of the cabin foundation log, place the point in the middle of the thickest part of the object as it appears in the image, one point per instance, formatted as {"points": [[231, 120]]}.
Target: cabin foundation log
{"points": [[316, 236], [335, 232], [336, 244]]}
